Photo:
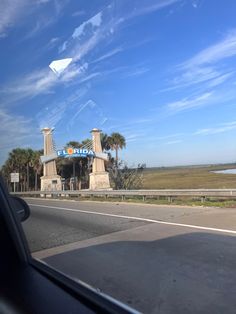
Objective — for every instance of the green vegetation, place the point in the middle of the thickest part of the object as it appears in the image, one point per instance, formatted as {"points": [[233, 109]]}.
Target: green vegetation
{"points": [[27, 163], [210, 202], [115, 142], [124, 178], [192, 177]]}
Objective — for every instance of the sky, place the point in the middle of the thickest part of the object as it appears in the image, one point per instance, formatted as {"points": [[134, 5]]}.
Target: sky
{"points": [[162, 73]]}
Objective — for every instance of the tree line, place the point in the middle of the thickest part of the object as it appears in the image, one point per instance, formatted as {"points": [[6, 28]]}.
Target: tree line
{"points": [[26, 162]]}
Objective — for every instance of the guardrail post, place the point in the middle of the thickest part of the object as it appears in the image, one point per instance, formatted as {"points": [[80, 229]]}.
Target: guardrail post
{"points": [[144, 198], [122, 197], [203, 198], [170, 199]]}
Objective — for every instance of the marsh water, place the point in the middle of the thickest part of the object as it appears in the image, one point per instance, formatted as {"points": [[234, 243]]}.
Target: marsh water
{"points": [[226, 171]]}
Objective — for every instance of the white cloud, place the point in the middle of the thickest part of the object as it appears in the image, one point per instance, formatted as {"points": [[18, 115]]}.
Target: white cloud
{"points": [[10, 11], [220, 79], [78, 13], [141, 120], [3, 35], [137, 72], [223, 49], [195, 76], [205, 66], [173, 142], [18, 129], [63, 47], [32, 84], [228, 123], [130, 136], [169, 136], [45, 18], [150, 7], [52, 43], [224, 127], [40, 25], [197, 3], [42, 1], [43, 82], [90, 76], [12, 123], [192, 102], [53, 40], [109, 54], [219, 128]]}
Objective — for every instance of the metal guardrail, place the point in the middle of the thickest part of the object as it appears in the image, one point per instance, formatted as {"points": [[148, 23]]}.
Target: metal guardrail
{"points": [[202, 193]]}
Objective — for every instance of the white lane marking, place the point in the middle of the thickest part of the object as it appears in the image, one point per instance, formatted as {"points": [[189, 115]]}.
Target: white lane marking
{"points": [[137, 218]]}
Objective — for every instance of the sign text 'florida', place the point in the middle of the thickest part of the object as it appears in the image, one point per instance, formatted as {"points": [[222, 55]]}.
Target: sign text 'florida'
{"points": [[75, 152]]}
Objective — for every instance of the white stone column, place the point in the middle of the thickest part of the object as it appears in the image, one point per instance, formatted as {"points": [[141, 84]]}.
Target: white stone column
{"points": [[50, 181], [99, 178]]}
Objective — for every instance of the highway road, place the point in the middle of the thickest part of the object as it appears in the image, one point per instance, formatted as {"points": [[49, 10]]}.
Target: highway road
{"points": [[157, 259]]}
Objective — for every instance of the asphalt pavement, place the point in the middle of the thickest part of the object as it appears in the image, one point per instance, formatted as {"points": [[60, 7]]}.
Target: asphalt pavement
{"points": [[157, 259]]}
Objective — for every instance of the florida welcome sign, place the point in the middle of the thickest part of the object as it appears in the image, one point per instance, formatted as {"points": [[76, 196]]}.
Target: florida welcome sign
{"points": [[75, 152]]}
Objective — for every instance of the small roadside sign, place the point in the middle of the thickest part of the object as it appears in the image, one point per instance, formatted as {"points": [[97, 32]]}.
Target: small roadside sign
{"points": [[15, 177]]}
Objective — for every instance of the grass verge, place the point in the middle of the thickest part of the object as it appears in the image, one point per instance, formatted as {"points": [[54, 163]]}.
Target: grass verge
{"points": [[209, 202]]}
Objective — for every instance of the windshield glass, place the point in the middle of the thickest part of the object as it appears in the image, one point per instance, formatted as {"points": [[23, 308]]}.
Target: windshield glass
{"points": [[117, 127]]}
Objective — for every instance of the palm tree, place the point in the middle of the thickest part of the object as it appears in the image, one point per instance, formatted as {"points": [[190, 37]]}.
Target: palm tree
{"points": [[28, 158], [5, 172], [104, 142], [116, 141], [37, 166], [73, 144], [87, 142], [17, 161]]}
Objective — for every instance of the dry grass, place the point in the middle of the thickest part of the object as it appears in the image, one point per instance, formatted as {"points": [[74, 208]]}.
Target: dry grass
{"points": [[189, 178]]}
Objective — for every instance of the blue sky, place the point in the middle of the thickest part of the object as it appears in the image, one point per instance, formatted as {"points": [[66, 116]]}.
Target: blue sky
{"points": [[162, 73]]}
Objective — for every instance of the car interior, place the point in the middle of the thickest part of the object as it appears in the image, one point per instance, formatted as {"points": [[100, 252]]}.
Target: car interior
{"points": [[30, 286]]}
